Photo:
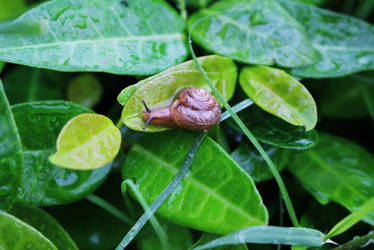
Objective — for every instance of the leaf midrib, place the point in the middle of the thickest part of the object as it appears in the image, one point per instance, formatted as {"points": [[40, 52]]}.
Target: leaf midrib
{"points": [[194, 182], [175, 36]]}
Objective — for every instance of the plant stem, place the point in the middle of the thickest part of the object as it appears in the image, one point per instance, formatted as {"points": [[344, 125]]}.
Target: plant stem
{"points": [[250, 136], [237, 108], [183, 171], [182, 7], [357, 243], [109, 208]]}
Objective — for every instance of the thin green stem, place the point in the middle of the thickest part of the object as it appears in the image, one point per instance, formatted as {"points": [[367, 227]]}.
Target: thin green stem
{"points": [[250, 136], [109, 208], [357, 243], [237, 108], [183, 171], [156, 225], [182, 8]]}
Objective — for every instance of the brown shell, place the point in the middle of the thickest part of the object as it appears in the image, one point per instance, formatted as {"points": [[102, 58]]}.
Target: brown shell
{"points": [[195, 109]]}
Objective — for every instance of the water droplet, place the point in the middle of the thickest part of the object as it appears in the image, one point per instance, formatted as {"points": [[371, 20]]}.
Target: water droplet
{"points": [[257, 19], [81, 25], [59, 13]]}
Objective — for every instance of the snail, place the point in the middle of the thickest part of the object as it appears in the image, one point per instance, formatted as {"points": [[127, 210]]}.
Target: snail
{"points": [[195, 109]]}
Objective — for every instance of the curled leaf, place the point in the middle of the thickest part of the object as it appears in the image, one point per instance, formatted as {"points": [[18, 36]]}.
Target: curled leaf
{"points": [[87, 141], [279, 94]]}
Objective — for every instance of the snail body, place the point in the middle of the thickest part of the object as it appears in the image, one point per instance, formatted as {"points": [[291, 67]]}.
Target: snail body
{"points": [[195, 109]]}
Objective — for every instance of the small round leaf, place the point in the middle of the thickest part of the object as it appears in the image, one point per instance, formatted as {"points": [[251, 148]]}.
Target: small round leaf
{"points": [[87, 141], [279, 94]]}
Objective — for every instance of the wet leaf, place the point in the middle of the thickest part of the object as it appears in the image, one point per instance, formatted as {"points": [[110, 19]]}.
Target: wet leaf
{"points": [[11, 157], [269, 235], [162, 89], [24, 84], [222, 195], [253, 163], [17, 235], [44, 223], [271, 130], [85, 89], [207, 237], [87, 141], [39, 124], [337, 170], [344, 44], [9, 8], [92, 35], [279, 94], [255, 32]]}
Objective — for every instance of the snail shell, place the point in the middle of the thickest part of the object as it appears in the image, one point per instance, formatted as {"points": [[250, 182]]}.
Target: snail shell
{"points": [[195, 109]]}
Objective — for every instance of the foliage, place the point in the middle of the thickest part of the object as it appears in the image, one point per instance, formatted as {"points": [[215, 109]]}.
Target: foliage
{"points": [[299, 130]]}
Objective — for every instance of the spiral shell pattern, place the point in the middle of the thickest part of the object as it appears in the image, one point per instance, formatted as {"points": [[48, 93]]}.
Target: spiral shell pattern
{"points": [[195, 109]]}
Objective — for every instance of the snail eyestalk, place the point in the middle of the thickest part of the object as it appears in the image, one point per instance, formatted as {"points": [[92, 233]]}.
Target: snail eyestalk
{"points": [[147, 110]]}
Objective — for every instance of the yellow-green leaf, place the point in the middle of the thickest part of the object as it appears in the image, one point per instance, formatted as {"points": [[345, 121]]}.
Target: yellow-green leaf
{"points": [[280, 94], [87, 141]]}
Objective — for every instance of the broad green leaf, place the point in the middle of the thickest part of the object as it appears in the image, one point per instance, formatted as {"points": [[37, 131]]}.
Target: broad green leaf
{"points": [[207, 237], [352, 219], [253, 163], [44, 223], [86, 142], [162, 89], [39, 124], [85, 89], [345, 44], [17, 235], [90, 226], [11, 157], [343, 98], [271, 130], [9, 8], [279, 94], [338, 170], [24, 84], [95, 35], [269, 235], [179, 238], [255, 32], [222, 196]]}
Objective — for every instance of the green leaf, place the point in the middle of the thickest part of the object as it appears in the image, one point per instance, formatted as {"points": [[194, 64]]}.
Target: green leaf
{"points": [[44, 223], [279, 94], [338, 170], [253, 163], [215, 181], [207, 237], [2, 64], [255, 32], [179, 238], [11, 157], [315, 2], [352, 219], [161, 90], [17, 235], [9, 8], [345, 44], [95, 35], [86, 142], [271, 130], [343, 98], [85, 89], [44, 183], [24, 84], [269, 235]]}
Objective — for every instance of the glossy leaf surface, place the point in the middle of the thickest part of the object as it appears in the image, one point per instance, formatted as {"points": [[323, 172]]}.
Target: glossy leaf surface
{"points": [[87, 141], [271, 130], [338, 170], [92, 35], [269, 235], [162, 89], [255, 32], [17, 235], [44, 223], [85, 89], [222, 196], [24, 84], [253, 163], [345, 44], [208, 237], [39, 124], [279, 94], [11, 157]]}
